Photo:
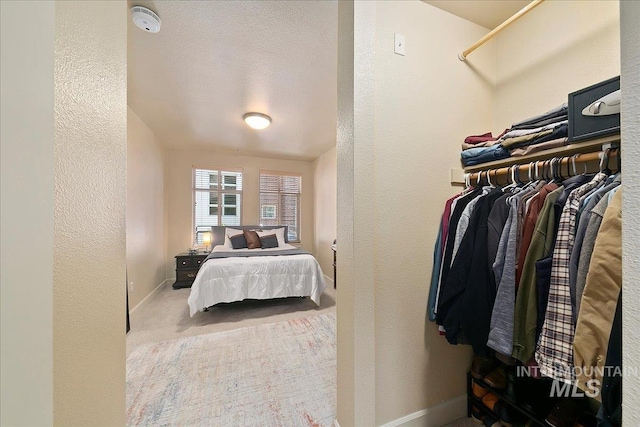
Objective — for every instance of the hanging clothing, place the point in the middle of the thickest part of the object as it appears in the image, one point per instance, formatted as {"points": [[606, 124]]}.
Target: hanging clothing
{"points": [[460, 204], [466, 297], [526, 307], [495, 225], [529, 224], [600, 297], [610, 413], [554, 353], [583, 223], [435, 274], [501, 326]]}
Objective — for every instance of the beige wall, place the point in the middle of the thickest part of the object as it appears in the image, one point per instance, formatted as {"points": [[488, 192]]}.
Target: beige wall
{"points": [[26, 214], [90, 154], [354, 389], [630, 82], [426, 103], [179, 193], [325, 214], [393, 180], [558, 48], [146, 242]]}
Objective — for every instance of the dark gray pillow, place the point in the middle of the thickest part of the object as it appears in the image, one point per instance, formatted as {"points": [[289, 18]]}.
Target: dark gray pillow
{"points": [[238, 241], [269, 241]]}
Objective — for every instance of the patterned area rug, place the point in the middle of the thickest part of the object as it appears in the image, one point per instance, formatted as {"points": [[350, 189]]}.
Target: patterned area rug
{"points": [[278, 374]]}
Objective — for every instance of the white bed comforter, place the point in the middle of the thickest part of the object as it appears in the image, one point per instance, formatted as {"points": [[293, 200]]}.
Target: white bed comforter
{"points": [[265, 277]]}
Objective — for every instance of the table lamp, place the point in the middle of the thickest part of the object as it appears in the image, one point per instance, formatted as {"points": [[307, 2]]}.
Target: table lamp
{"points": [[206, 239]]}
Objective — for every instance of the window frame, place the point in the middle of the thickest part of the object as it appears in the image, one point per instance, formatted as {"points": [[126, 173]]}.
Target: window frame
{"points": [[279, 193], [220, 195]]}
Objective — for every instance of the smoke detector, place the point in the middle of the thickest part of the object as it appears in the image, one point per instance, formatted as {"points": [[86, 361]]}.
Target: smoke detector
{"points": [[145, 19]]}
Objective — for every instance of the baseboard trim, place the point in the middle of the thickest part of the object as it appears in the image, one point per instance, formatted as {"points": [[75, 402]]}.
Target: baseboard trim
{"points": [[436, 416], [329, 279], [150, 293]]}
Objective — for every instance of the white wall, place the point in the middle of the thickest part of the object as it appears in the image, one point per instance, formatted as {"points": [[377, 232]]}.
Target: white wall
{"points": [[630, 83], [146, 242], [556, 49], [179, 193], [324, 207], [26, 206], [90, 155]]}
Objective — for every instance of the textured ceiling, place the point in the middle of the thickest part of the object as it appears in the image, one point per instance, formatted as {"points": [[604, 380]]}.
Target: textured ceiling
{"points": [[213, 61], [487, 13]]}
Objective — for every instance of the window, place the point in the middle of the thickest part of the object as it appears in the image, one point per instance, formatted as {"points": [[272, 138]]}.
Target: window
{"points": [[215, 204], [280, 201], [268, 212]]}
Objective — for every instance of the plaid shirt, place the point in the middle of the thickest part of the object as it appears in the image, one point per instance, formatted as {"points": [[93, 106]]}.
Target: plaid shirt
{"points": [[554, 353]]}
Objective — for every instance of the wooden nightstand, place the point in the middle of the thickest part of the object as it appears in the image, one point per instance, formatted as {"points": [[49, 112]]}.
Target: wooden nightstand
{"points": [[187, 267]]}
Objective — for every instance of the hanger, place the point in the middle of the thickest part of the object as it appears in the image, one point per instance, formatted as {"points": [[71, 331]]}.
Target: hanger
{"points": [[604, 162], [510, 176], [518, 175], [556, 165]]}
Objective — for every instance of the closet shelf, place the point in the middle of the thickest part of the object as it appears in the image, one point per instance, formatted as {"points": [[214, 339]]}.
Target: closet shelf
{"points": [[567, 150]]}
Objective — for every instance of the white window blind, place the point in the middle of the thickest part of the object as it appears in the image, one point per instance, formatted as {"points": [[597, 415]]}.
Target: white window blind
{"points": [[217, 197], [280, 201]]}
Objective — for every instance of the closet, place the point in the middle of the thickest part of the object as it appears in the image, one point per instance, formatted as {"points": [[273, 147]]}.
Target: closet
{"points": [[527, 270], [527, 265]]}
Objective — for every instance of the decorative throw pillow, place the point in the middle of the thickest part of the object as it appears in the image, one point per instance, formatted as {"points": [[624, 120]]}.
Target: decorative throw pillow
{"points": [[228, 232], [253, 240], [279, 232], [269, 241], [238, 241]]}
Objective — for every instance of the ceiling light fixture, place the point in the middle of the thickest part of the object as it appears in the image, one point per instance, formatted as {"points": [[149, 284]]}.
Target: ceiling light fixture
{"points": [[257, 120]]}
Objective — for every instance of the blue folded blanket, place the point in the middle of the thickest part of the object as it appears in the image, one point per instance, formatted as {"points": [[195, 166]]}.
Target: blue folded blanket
{"points": [[474, 156]]}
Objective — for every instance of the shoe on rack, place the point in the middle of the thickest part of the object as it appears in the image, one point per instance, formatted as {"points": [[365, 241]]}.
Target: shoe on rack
{"points": [[505, 412], [490, 421], [496, 378], [481, 366], [490, 400], [511, 385], [478, 391], [565, 413], [507, 360], [586, 420], [477, 416]]}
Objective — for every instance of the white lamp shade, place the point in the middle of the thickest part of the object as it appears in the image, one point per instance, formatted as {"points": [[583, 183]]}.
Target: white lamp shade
{"points": [[257, 120], [206, 238]]}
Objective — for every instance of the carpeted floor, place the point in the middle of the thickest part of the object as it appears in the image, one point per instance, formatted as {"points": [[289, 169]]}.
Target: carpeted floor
{"points": [[165, 315], [214, 379]]}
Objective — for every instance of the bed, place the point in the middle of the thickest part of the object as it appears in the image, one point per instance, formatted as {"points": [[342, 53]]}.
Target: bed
{"points": [[229, 275]]}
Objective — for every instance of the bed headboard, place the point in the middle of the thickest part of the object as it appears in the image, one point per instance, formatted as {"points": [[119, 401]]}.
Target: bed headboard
{"points": [[217, 231]]}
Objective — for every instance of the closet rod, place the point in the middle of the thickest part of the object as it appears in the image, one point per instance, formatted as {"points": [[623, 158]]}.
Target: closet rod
{"points": [[524, 168], [528, 8]]}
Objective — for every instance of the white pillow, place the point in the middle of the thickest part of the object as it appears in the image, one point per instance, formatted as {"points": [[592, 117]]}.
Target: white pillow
{"points": [[279, 232], [230, 232]]}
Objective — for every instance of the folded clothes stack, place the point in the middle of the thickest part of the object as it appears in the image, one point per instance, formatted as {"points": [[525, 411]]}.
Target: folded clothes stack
{"points": [[542, 132]]}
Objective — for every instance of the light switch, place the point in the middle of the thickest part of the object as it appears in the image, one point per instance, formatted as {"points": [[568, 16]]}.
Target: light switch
{"points": [[398, 40]]}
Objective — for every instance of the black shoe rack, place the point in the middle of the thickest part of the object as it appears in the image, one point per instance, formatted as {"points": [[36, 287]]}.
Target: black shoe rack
{"points": [[472, 400]]}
